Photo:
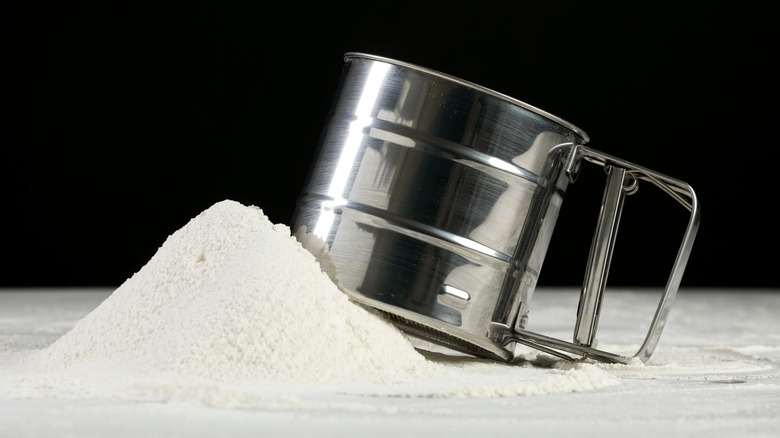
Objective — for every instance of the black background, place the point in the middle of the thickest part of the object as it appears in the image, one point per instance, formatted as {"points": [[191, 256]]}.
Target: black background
{"points": [[122, 122]]}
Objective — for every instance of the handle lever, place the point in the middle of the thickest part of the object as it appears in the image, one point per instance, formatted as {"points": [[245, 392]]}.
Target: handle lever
{"points": [[622, 178], [600, 257]]}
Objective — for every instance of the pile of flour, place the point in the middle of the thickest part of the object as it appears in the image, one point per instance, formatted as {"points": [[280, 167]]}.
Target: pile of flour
{"points": [[233, 312], [229, 297]]}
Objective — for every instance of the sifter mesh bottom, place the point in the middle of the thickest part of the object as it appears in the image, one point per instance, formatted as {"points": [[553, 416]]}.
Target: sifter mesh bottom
{"points": [[438, 337]]}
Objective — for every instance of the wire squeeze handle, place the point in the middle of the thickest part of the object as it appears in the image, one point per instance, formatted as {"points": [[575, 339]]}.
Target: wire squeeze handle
{"points": [[600, 257], [622, 177]]}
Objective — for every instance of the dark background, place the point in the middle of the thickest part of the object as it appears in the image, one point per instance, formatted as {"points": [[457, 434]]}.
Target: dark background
{"points": [[123, 122]]}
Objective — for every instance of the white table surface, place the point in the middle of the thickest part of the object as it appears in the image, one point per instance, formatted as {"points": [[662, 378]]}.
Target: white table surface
{"points": [[690, 387]]}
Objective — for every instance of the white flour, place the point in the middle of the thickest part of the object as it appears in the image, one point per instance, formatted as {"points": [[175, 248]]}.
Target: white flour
{"points": [[231, 296], [232, 311]]}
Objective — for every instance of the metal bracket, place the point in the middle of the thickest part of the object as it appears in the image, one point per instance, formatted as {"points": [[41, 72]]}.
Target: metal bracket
{"points": [[622, 179]]}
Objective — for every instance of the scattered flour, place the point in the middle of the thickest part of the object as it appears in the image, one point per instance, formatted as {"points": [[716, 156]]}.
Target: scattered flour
{"points": [[232, 312]]}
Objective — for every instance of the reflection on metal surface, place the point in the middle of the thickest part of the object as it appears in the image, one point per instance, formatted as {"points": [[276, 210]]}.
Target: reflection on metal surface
{"points": [[346, 160], [459, 293], [434, 200]]}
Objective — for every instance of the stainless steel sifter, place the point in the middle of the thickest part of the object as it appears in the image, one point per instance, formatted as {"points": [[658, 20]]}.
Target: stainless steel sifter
{"points": [[433, 200]]}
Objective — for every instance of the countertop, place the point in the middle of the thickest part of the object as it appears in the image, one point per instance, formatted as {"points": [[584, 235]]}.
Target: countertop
{"points": [[716, 372]]}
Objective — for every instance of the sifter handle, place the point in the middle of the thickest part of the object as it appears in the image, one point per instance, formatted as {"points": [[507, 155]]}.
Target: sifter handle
{"points": [[622, 179]]}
